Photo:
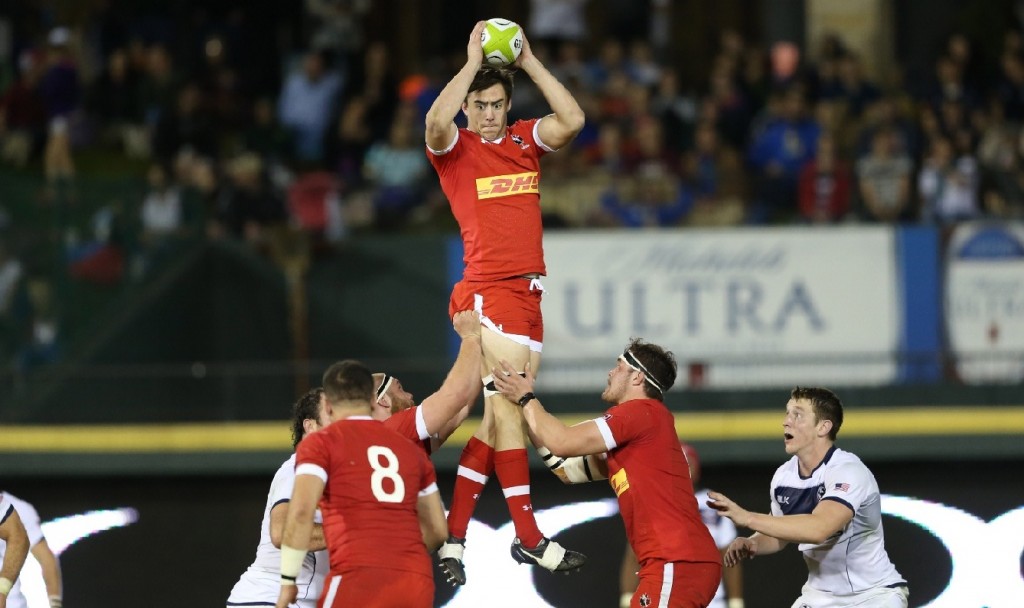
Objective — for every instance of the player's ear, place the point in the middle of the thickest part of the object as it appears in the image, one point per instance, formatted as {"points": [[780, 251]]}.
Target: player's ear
{"points": [[826, 427]]}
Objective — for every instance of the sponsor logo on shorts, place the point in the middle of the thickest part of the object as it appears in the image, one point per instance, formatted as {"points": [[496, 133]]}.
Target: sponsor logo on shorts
{"points": [[507, 185]]}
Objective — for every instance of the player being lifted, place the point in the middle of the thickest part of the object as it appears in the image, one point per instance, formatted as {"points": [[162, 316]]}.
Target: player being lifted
{"points": [[490, 172]]}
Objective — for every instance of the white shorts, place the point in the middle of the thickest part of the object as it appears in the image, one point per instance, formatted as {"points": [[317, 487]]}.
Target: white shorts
{"points": [[880, 597]]}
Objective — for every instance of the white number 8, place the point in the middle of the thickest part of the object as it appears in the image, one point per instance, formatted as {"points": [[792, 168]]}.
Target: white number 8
{"points": [[376, 453]]}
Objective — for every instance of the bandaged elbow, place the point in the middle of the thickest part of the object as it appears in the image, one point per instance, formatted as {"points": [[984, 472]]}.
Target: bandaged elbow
{"points": [[572, 470]]}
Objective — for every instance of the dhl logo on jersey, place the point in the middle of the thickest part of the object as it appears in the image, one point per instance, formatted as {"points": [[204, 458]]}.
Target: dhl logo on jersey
{"points": [[507, 185], [619, 482]]}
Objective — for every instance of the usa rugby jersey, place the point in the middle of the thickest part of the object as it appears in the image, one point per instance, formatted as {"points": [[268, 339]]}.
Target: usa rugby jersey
{"points": [[853, 559], [260, 584]]}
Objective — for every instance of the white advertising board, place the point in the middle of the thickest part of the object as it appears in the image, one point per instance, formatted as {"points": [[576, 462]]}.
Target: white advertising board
{"points": [[985, 302], [739, 307]]}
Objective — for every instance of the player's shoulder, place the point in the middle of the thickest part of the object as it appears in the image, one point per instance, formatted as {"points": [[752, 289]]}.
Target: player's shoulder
{"points": [[287, 468], [24, 508], [787, 469], [848, 463]]}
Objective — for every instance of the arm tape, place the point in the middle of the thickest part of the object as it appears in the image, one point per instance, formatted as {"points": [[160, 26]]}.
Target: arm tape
{"points": [[572, 470], [5, 585], [291, 563]]}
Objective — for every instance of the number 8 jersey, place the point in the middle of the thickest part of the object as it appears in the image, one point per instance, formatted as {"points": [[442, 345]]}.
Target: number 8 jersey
{"points": [[373, 477]]}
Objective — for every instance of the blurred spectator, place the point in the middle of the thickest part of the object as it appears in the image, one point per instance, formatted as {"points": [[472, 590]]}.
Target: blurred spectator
{"points": [[643, 70], [648, 198], [162, 220], [777, 153], [306, 104], [948, 184], [22, 116], [885, 115], [221, 84], [999, 156], [100, 259], [10, 284], [610, 59], [949, 85], [1010, 89], [733, 112], [824, 188], [158, 85], [398, 170], [883, 179], [856, 91], [265, 136], [113, 101], [676, 111], [714, 173], [368, 109], [338, 27], [61, 95], [42, 344], [249, 207], [188, 125]]}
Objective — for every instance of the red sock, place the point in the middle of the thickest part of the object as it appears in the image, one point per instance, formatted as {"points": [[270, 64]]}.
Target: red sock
{"points": [[513, 470], [475, 465]]}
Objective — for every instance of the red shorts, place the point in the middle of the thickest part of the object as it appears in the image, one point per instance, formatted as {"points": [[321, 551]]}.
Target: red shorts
{"points": [[511, 307], [686, 585], [378, 588]]}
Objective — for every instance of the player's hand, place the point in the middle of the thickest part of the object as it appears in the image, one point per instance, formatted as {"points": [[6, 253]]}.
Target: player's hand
{"points": [[288, 595], [509, 383], [727, 508], [475, 46], [738, 550], [466, 323]]}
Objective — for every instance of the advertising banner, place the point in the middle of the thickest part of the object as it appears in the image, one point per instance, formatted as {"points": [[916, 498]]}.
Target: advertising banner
{"points": [[985, 302], [764, 307]]}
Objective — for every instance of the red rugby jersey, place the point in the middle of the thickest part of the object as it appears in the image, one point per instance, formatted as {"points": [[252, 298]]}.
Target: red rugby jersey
{"points": [[374, 478], [405, 424], [494, 192], [648, 472]]}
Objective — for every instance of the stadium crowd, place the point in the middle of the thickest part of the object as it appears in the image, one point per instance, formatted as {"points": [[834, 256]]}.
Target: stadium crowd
{"points": [[240, 130]]}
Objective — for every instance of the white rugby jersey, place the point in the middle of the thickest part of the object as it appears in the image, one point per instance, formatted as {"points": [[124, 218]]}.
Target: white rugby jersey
{"points": [[260, 584], [33, 527], [722, 530], [853, 559]]}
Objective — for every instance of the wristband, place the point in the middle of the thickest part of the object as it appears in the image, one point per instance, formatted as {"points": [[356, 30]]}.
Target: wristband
{"points": [[625, 600], [528, 397], [736, 602], [56, 601], [291, 563], [5, 585]]}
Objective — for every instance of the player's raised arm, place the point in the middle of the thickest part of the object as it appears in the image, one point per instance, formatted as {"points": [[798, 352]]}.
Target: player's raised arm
{"points": [[558, 129], [440, 123], [444, 410]]}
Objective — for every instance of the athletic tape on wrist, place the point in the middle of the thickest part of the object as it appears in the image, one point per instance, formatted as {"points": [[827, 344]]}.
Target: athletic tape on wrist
{"points": [[291, 563], [736, 602], [56, 601], [5, 585]]}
